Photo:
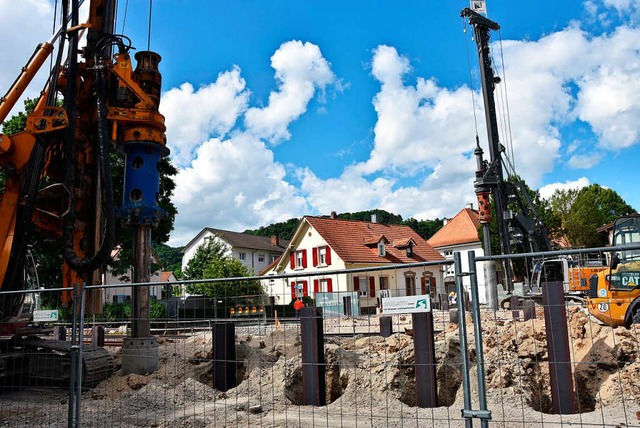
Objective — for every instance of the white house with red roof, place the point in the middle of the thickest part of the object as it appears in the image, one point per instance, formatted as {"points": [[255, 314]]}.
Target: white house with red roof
{"points": [[460, 234], [322, 245]]}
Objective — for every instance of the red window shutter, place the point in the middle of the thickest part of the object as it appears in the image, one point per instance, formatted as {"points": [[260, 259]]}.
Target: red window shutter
{"points": [[305, 289], [356, 283], [328, 256], [372, 287], [423, 285], [304, 258], [292, 260], [293, 291], [315, 285], [315, 256], [329, 286]]}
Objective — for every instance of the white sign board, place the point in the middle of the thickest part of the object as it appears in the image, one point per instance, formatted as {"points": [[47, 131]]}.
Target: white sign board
{"points": [[406, 305], [45, 316], [478, 6]]}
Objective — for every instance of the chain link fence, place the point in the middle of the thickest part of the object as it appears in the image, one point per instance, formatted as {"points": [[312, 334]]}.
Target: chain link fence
{"points": [[230, 359]]}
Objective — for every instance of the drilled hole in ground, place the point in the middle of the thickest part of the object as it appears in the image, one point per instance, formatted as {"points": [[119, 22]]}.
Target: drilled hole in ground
{"points": [[335, 382]]}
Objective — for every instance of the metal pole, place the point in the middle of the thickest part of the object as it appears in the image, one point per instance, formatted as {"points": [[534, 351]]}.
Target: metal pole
{"points": [[79, 362], [464, 352], [72, 365], [141, 274], [477, 329]]}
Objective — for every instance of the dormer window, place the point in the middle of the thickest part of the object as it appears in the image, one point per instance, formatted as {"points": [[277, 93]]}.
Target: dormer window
{"points": [[409, 250], [381, 250]]}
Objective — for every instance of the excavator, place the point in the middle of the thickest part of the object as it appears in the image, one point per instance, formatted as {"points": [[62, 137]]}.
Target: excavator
{"points": [[58, 178], [614, 294]]}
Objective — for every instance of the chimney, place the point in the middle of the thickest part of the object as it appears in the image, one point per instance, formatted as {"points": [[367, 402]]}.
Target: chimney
{"points": [[275, 241], [470, 204], [334, 215], [374, 218]]}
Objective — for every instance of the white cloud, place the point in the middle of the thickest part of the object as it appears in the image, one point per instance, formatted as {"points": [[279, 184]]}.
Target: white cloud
{"points": [[233, 181], [547, 191], [584, 161], [32, 21], [211, 111], [300, 71]]}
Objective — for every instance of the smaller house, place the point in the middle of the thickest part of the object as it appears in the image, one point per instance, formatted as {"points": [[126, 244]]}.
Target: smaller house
{"points": [[254, 252], [122, 294], [460, 234]]}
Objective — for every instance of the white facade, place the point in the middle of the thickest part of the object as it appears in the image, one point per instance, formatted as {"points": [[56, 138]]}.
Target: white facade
{"points": [[319, 277], [256, 260], [449, 277]]}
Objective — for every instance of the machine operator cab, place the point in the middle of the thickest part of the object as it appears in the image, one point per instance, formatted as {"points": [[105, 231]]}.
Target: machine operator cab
{"points": [[614, 295]]}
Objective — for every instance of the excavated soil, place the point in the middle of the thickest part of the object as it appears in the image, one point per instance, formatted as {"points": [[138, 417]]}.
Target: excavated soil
{"points": [[370, 380]]}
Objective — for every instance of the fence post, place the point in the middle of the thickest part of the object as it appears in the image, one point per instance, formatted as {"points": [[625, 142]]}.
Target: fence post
{"points": [[97, 335], [313, 364], [425, 360], [563, 399], [464, 350], [484, 413]]}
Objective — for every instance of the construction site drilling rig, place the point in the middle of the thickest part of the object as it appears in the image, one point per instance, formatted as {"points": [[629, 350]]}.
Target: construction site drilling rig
{"points": [[58, 178], [520, 228]]}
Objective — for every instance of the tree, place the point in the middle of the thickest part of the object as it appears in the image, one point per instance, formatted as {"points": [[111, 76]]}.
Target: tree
{"points": [[170, 258], [211, 250], [212, 260], [593, 207], [425, 228]]}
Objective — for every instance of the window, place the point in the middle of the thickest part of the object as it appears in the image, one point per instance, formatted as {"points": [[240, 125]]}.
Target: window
{"points": [[381, 250], [242, 256], [410, 284], [324, 286], [298, 259], [384, 283], [322, 255], [448, 253], [273, 258], [261, 258], [362, 287], [410, 251]]}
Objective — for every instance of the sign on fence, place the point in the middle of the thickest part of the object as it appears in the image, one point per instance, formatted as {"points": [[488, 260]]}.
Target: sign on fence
{"points": [[406, 304], [338, 304], [45, 316]]}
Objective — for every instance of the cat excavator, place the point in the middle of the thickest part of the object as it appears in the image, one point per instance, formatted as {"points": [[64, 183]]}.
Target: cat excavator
{"points": [[57, 171]]}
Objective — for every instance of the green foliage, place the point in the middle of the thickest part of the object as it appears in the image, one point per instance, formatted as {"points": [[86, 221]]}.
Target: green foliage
{"points": [[382, 216], [284, 230], [212, 261], [593, 207], [124, 311], [425, 228], [214, 249], [17, 122], [170, 258]]}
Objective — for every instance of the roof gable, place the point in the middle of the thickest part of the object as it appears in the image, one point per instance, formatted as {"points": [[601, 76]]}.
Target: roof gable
{"points": [[461, 229], [242, 240]]}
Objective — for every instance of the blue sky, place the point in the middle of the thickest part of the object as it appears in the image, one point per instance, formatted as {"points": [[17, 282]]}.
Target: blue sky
{"points": [[277, 109]]}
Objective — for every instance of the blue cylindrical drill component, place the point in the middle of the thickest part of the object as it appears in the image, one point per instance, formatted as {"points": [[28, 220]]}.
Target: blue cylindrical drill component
{"points": [[142, 183]]}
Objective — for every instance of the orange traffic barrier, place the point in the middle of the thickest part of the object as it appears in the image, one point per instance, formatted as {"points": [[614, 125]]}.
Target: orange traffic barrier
{"points": [[246, 310], [240, 311], [261, 309], [233, 311], [254, 310]]}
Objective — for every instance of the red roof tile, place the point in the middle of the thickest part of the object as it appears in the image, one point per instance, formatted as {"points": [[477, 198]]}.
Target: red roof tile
{"points": [[349, 239], [462, 229]]}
